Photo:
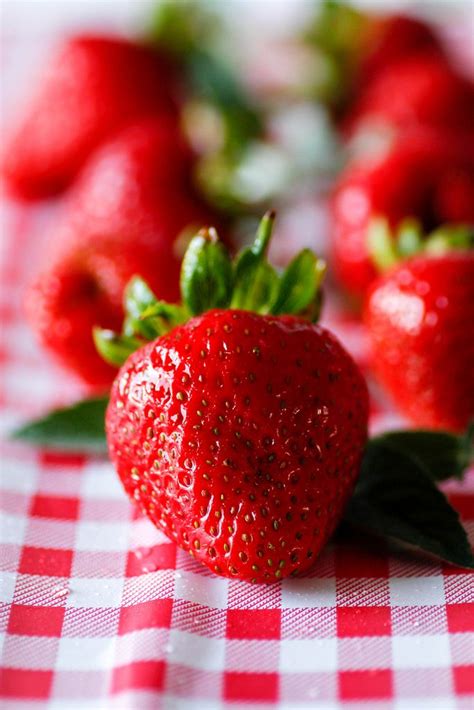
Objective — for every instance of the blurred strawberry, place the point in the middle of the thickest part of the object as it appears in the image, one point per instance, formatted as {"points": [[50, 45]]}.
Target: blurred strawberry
{"points": [[121, 218], [419, 91], [420, 317], [91, 87], [388, 40], [426, 176]]}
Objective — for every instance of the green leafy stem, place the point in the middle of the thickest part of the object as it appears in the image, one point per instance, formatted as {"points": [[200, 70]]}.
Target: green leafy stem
{"points": [[388, 246], [210, 278]]}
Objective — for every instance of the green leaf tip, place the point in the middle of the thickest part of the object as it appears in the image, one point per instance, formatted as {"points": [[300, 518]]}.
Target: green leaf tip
{"points": [[77, 428], [113, 347], [389, 246], [210, 279]]}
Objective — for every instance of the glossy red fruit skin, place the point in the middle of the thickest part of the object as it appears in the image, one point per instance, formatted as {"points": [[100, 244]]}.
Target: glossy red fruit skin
{"points": [[426, 175], [420, 318], [241, 437], [91, 87], [392, 39], [121, 219], [416, 92]]}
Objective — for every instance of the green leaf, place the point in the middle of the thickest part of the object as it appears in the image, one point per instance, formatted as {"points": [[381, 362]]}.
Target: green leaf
{"points": [[409, 238], [206, 273], [441, 454], [449, 237], [396, 498], [165, 316], [138, 297], [113, 347], [299, 284], [77, 428], [381, 244], [256, 282]]}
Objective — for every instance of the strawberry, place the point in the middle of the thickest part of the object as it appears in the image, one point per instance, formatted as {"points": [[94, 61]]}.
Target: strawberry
{"points": [[387, 40], [239, 433], [420, 317], [418, 91], [425, 176], [90, 88], [121, 218]]}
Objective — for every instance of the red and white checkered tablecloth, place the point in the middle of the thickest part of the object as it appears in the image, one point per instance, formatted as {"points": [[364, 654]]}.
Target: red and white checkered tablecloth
{"points": [[100, 610]]}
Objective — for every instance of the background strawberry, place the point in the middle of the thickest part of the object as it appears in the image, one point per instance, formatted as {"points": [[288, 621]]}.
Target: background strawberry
{"points": [[121, 218], [239, 434], [426, 175], [390, 39], [91, 87], [418, 91], [420, 318]]}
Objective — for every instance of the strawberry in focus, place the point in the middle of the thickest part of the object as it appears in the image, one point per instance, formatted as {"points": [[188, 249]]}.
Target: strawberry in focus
{"points": [[90, 88], [121, 218], [420, 317], [426, 176], [239, 433]]}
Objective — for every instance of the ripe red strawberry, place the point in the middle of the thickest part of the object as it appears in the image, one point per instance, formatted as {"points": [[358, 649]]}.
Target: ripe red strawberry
{"points": [[420, 318], [240, 434], [426, 176], [90, 88], [121, 218], [388, 40], [419, 91]]}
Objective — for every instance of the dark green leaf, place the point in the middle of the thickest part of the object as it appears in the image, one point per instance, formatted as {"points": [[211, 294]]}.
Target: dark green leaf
{"points": [[442, 455], [113, 347], [395, 498], [77, 428], [299, 283], [206, 273]]}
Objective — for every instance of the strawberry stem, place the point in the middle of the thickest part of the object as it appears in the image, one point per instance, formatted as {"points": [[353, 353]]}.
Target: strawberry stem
{"points": [[211, 279], [388, 247]]}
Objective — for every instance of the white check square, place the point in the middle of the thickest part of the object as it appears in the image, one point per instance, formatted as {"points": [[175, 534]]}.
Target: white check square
{"points": [[417, 591], [308, 593], [95, 593], [308, 655], [207, 591], [427, 651], [85, 653], [206, 654], [102, 536]]}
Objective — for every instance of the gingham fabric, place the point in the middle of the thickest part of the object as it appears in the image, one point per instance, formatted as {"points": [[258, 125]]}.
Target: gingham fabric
{"points": [[99, 610]]}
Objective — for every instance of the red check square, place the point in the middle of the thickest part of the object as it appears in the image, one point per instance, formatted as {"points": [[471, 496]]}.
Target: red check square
{"points": [[162, 556], [148, 615], [55, 507], [36, 620], [365, 685], [16, 683], [253, 623], [248, 687], [460, 618], [363, 621], [139, 675], [46, 561], [51, 458], [463, 679]]}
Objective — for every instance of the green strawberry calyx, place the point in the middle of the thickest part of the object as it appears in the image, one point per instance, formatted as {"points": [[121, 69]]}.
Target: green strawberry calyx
{"points": [[210, 279], [389, 246]]}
